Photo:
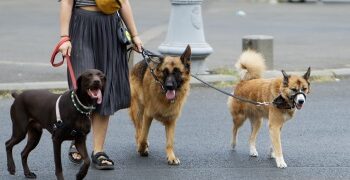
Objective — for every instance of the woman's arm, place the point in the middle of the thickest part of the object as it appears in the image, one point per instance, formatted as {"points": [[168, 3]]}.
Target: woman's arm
{"points": [[65, 16], [127, 16]]}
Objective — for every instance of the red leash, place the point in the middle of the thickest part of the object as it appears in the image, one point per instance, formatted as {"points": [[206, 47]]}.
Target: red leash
{"points": [[67, 57]]}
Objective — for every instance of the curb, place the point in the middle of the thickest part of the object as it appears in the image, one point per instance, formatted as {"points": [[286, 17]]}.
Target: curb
{"points": [[341, 73]]}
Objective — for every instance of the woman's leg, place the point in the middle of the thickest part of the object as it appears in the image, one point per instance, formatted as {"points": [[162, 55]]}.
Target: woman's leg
{"points": [[99, 130]]}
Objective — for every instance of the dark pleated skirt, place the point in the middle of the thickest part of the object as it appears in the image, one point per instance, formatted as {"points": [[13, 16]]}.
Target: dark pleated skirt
{"points": [[95, 45]]}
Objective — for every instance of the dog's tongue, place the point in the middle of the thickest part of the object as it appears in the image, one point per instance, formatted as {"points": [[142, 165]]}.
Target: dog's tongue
{"points": [[96, 94], [170, 94]]}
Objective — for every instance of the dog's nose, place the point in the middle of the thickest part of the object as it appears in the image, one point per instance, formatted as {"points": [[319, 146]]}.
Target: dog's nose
{"points": [[96, 82], [170, 83], [169, 86], [301, 101]]}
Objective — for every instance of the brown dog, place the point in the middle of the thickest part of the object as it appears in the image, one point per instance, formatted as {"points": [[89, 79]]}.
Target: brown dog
{"points": [[66, 117], [287, 94], [160, 96]]}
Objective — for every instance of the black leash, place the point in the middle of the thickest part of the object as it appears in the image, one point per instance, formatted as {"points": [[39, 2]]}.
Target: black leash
{"points": [[232, 95], [145, 53]]}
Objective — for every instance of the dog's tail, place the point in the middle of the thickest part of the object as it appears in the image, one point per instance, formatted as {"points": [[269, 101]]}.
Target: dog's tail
{"points": [[250, 65], [14, 94]]}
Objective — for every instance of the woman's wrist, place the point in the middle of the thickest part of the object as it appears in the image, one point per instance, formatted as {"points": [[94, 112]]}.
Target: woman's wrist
{"points": [[64, 35], [135, 35]]}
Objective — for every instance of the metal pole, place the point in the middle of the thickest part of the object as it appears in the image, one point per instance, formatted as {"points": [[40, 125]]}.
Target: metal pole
{"points": [[186, 27]]}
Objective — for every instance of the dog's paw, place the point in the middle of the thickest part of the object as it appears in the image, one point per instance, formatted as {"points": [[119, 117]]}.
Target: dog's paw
{"points": [[233, 145], [173, 161], [280, 163], [11, 170], [80, 176], [253, 152], [144, 153], [143, 149], [30, 175], [272, 154]]}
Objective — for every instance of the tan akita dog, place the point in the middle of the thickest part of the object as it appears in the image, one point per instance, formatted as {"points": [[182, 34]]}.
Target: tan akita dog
{"points": [[287, 93]]}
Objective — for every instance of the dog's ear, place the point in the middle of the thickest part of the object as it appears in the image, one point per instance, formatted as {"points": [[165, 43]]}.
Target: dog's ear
{"points": [[307, 74], [186, 57], [285, 78], [157, 62]]}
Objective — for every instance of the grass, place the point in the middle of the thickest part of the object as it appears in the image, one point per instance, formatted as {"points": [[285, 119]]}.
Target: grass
{"points": [[7, 94], [224, 71], [323, 79]]}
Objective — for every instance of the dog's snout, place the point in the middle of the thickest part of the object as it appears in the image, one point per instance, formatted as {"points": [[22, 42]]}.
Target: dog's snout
{"points": [[301, 101], [96, 81], [169, 86], [170, 83]]}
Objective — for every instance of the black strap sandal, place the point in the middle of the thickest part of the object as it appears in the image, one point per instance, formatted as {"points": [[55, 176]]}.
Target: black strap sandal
{"points": [[73, 150], [99, 161]]}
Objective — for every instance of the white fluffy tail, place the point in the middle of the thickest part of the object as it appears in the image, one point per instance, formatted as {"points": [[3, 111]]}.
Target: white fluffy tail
{"points": [[250, 65]]}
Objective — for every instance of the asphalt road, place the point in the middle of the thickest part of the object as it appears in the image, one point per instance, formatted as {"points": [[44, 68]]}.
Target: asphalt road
{"points": [[315, 143]]}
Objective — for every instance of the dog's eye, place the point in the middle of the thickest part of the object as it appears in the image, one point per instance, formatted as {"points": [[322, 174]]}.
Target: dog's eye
{"points": [[176, 70], [294, 89], [166, 72], [304, 89]]}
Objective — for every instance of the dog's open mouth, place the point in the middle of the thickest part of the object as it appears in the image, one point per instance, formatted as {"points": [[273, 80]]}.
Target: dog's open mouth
{"points": [[96, 94], [298, 106], [170, 94]]}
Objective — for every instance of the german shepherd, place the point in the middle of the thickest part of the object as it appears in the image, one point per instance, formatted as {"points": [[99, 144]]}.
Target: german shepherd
{"points": [[159, 94], [287, 93]]}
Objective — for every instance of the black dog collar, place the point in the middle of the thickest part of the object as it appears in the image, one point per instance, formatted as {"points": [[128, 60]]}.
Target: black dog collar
{"points": [[79, 106]]}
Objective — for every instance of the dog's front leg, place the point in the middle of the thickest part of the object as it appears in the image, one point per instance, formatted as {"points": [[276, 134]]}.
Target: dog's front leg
{"points": [[81, 147], [170, 131], [57, 154], [143, 140], [275, 126]]}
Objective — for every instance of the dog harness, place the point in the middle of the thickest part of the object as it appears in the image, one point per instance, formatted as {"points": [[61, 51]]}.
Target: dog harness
{"points": [[76, 102], [58, 115]]}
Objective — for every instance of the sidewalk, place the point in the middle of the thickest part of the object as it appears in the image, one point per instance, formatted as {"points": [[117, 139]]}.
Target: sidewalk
{"points": [[305, 34]]}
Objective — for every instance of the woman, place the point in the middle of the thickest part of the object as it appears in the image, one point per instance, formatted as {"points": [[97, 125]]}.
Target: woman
{"points": [[94, 44]]}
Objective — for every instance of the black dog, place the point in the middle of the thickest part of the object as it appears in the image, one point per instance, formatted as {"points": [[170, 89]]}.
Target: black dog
{"points": [[34, 110]]}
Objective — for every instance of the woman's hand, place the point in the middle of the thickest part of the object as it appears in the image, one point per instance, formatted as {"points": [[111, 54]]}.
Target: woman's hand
{"points": [[66, 48], [137, 43]]}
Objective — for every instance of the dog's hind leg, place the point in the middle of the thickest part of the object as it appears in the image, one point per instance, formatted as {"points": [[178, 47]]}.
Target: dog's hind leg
{"points": [[170, 131], [34, 134], [255, 126], [15, 139], [238, 120], [19, 130]]}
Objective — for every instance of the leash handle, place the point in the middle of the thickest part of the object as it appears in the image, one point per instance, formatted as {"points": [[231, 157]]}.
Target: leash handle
{"points": [[67, 57]]}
